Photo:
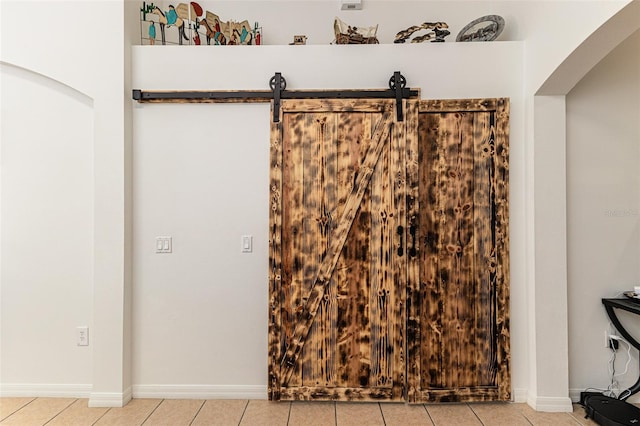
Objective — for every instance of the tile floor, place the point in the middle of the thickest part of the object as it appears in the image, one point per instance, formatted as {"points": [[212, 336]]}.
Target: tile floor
{"points": [[171, 412]]}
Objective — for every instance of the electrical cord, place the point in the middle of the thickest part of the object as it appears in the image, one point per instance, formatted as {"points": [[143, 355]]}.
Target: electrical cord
{"points": [[626, 366], [627, 395], [614, 385]]}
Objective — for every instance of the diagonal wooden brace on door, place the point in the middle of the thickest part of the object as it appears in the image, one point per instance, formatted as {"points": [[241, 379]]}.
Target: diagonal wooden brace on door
{"points": [[325, 271]]}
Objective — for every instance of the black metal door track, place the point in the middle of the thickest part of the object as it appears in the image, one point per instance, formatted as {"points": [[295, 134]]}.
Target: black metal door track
{"points": [[397, 90]]}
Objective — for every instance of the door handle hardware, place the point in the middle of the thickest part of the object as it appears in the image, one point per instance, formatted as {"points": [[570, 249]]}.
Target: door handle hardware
{"points": [[401, 235]]}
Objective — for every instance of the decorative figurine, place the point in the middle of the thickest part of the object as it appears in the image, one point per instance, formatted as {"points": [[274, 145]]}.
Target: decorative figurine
{"points": [[257, 34], [152, 33], [346, 34], [216, 30], [436, 32], [486, 28], [299, 39], [169, 18], [242, 32]]}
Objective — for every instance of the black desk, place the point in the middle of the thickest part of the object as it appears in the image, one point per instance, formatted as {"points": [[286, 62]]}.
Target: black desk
{"points": [[629, 305]]}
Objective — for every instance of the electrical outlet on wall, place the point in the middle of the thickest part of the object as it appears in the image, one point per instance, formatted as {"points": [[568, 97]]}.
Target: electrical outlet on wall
{"points": [[613, 344], [82, 335], [611, 340]]}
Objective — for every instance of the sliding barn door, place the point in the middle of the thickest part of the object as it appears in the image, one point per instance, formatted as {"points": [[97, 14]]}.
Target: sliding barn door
{"points": [[338, 250], [458, 327]]}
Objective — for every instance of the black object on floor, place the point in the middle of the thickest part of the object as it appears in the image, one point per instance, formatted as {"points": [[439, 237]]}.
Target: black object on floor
{"points": [[607, 411]]}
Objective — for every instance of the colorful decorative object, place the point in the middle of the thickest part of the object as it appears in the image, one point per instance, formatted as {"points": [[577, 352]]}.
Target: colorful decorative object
{"points": [[197, 9], [240, 33], [346, 34], [220, 28], [152, 33], [213, 28], [486, 28], [169, 18], [257, 34], [436, 32]]}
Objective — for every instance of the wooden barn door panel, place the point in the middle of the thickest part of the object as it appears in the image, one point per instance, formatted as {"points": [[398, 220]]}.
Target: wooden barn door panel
{"points": [[337, 251], [458, 316], [389, 251]]}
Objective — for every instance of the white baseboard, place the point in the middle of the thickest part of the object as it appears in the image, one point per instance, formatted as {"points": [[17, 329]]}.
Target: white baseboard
{"points": [[200, 391], [110, 399], [519, 395], [115, 399], [550, 404], [44, 390]]}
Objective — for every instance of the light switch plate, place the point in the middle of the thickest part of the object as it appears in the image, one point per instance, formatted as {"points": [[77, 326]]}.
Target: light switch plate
{"points": [[246, 244], [164, 245]]}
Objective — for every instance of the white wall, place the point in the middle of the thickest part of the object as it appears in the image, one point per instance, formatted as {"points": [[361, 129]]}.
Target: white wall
{"points": [[559, 51], [282, 19], [553, 30], [199, 314], [603, 208], [81, 281], [47, 229], [549, 338]]}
